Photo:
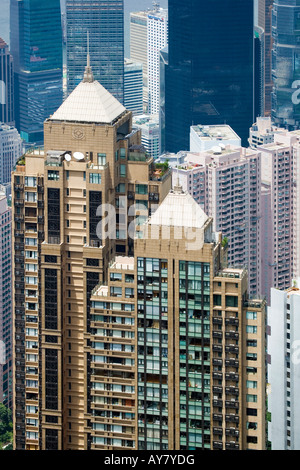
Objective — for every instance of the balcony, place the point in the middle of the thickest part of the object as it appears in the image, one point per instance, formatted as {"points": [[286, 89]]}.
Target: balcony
{"points": [[231, 363], [232, 446], [231, 335], [231, 404], [231, 418], [218, 445], [232, 432], [218, 431]]}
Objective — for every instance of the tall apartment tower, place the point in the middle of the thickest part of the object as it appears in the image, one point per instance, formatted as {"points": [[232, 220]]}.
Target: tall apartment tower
{"points": [[133, 86], [104, 23], [285, 64], [265, 22], [150, 133], [11, 149], [262, 132], [36, 47], [148, 36], [280, 211], [209, 78], [283, 375], [175, 309], [6, 85], [225, 181], [92, 163], [6, 306], [157, 39]]}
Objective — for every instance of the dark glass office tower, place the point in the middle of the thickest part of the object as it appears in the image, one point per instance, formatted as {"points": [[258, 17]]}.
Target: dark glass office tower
{"points": [[286, 63], [209, 79], [36, 46], [104, 21], [265, 22], [6, 85]]}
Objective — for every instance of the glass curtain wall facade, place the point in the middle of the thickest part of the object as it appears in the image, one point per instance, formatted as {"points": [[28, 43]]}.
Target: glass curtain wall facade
{"points": [[286, 63], [104, 21], [209, 79], [36, 46], [6, 85]]}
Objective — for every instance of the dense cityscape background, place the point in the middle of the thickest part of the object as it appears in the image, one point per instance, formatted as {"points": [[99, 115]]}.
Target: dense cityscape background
{"points": [[149, 225]]}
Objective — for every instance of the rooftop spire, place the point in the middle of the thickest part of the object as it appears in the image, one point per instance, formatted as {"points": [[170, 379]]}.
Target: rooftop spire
{"points": [[88, 74]]}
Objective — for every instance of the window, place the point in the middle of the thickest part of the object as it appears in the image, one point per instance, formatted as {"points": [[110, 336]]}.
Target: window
{"points": [[250, 425], [101, 157], [95, 178], [251, 384], [116, 276], [53, 175], [30, 196], [120, 188], [251, 398], [251, 329], [123, 170], [30, 181], [231, 301], [251, 357], [123, 153], [251, 315], [141, 189]]}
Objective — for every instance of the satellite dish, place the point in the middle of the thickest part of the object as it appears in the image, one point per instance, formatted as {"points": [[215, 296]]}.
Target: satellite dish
{"points": [[216, 150], [78, 156], [68, 157]]}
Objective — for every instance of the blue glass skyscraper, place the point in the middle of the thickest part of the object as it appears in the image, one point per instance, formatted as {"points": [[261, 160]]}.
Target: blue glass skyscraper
{"points": [[210, 75], [104, 21], [286, 63], [36, 46]]}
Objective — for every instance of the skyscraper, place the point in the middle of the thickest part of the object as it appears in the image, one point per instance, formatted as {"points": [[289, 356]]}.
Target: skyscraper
{"points": [[36, 46], [280, 210], [286, 63], [6, 331], [191, 314], [148, 35], [133, 86], [209, 78], [11, 148], [226, 183], [104, 22], [157, 39], [6, 85], [265, 22], [92, 161]]}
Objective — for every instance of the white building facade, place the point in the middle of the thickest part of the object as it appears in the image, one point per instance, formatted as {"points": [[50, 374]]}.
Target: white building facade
{"points": [[281, 210], [148, 35], [150, 132], [284, 368], [11, 148], [206, 137], [226, 184], [5, 303]]}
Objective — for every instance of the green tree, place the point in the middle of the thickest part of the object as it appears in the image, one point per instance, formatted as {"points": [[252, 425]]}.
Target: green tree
{"points": [[6, 426]]}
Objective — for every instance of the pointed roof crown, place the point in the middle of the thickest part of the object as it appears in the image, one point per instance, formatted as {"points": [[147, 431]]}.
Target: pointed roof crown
{"points": [[179, 209], [89, 102]]}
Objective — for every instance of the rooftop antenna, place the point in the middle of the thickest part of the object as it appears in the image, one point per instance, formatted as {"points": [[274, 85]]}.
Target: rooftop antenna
{"points": [[178, 187], [88, 74]]}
